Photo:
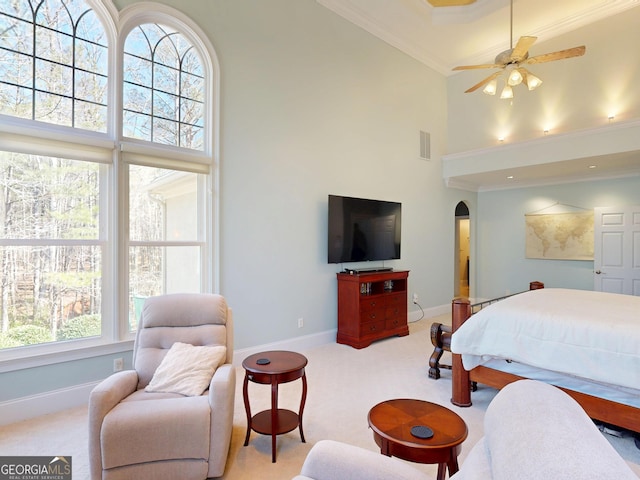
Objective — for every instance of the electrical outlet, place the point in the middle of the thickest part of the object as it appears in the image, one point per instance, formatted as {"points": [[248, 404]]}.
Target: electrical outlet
{"points": [[118, 364], [300, 322], [415, 298]]}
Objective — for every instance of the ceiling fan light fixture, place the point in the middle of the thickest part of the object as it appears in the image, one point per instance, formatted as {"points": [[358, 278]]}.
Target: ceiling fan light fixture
{"points": [[532, 81], [507, 92], [491, 88], [515, 77]]}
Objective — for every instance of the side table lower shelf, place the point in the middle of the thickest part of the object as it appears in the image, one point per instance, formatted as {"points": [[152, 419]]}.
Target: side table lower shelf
{"points": [[286, 421]]}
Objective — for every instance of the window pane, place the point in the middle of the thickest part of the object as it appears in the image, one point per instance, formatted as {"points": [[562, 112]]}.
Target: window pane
{"points": [[192, 137], [52, 14], [159, 270], [163, 204], [192, 112], [50, 198], [55, 294], [52, 45], [137, 70], [91, 57], [54, 78], [165, 106], [15, 101], [16, 69], [165, 79], [17, 35], [137, 99], [137, 126], [90, 116], [91, 87], [88, 24], [192, 87], [53, 109], [165, 131]]}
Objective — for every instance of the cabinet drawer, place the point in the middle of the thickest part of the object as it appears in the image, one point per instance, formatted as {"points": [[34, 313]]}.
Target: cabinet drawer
{"points": [[396, 312], [393, 323], [372, 315], [372, 328], [371, 303], [396, 300]]}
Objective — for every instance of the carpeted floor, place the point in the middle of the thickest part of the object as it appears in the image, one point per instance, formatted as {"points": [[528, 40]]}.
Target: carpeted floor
{"points": [[343, 384]]}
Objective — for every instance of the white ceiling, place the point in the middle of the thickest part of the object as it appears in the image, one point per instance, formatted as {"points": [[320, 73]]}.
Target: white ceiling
{"points": [[445, 37]]}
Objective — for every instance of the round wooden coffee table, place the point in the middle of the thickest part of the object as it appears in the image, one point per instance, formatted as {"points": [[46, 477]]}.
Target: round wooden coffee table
{"points": [[394, 425], [273, 368]]}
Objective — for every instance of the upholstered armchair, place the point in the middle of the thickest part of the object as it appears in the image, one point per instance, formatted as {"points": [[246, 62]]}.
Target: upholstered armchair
{"points": [[172, 415]]}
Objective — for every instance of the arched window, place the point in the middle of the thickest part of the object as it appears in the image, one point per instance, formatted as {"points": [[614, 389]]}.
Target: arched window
{"points": [[53, 63], [90, 122], [163, 91]]}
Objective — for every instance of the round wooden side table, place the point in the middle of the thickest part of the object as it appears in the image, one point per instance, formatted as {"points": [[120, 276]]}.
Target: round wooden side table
{"points": [[273, 368], [419, 431]]}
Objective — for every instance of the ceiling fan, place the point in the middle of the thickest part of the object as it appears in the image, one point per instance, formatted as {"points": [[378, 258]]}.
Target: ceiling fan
{"points": [[511, 61]]}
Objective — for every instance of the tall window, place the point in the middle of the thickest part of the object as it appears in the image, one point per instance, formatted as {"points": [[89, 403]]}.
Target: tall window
{"points": [[63, 169]]}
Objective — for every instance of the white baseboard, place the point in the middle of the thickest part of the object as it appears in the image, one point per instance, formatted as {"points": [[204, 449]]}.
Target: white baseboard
{"points": [[328, 336], [44, 403], [57, 400]]}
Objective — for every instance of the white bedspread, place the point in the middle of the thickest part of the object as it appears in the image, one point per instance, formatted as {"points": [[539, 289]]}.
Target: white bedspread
{"points": [[593, 335]]}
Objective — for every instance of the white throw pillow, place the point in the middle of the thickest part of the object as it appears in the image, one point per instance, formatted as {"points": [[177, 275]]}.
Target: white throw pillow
{"points": [[187, 369]]}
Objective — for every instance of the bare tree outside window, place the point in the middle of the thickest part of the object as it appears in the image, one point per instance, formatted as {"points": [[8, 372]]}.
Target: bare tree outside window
{"points": [[50, 255]]}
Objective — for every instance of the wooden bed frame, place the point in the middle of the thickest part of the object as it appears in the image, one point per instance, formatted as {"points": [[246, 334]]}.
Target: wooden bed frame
{"points": [[597, 408]]}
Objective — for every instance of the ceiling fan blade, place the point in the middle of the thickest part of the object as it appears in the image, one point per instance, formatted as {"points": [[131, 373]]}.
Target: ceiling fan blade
{"points": [[474, 67], [521, 50], [484, 82], [560, 55]]}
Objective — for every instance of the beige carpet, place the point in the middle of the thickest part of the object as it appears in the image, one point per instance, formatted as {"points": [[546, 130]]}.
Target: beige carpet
{"points": [[343, 384]]}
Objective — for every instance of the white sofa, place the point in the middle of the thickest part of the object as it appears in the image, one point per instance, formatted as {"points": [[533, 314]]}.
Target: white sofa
{"points": [[531, 431]]}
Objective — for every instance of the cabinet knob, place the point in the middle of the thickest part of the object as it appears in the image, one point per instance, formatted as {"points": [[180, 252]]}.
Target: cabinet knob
{"points": [[372, 316]]}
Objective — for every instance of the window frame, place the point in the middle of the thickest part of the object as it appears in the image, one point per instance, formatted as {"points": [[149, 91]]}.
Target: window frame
{"points": [[115, 152]]}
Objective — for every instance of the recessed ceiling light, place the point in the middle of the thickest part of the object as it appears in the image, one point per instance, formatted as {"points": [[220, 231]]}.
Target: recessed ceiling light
{"points": [[592, 166], [509, 177]]}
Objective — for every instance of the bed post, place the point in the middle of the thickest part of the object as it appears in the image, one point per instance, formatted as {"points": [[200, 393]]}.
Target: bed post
{"points": [[460, 383]]}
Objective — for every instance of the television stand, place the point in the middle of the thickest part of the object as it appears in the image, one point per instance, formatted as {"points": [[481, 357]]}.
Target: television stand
{"points": [[371, 306]]}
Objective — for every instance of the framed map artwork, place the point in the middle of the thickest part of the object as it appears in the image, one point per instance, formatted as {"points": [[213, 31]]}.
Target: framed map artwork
{"points": [[559, 236]]}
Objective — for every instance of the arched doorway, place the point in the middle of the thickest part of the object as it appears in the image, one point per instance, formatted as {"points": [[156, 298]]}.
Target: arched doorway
{"points": [[461, 261]]}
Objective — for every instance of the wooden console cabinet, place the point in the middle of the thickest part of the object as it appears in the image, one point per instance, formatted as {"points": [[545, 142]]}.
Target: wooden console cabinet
{"points": [[371, 306]]}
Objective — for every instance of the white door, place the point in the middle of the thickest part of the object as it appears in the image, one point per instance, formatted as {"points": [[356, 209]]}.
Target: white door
{"points": [[616, 262]]}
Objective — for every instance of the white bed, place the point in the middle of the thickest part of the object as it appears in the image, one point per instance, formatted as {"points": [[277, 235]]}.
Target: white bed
{"points": [[583, 341], [594, 335]]}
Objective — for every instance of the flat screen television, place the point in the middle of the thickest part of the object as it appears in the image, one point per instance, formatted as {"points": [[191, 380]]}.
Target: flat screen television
{"points": [[362, 230]]}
